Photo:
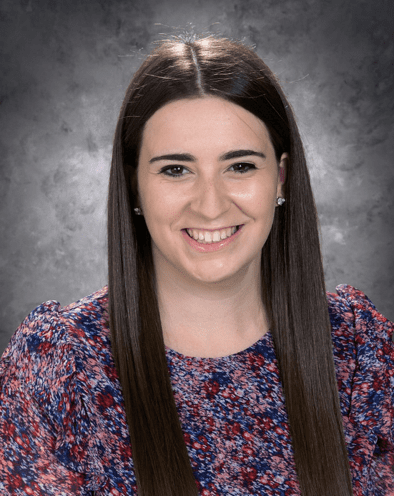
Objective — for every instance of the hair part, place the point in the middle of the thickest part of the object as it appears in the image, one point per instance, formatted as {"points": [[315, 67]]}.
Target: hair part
{"points": [[199, 77], [292, 278]]}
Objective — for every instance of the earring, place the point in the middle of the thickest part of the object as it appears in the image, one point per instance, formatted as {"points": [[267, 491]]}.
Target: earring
{"points": [[280, 201], [138, 211]]}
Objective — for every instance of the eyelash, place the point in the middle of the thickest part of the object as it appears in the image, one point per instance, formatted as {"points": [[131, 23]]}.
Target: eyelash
{"points": [[165, 170]]}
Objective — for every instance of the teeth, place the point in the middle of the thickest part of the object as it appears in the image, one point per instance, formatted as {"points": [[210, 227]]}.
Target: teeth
{"points": [[208, 237], [216, 236]]}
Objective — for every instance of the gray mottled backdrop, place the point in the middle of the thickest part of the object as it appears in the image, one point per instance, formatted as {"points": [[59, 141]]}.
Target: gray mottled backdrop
{"points": [[64, 68]]}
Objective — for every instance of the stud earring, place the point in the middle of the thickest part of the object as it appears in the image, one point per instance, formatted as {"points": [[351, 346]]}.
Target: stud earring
{"points": [[280, 201], [138, 211]]}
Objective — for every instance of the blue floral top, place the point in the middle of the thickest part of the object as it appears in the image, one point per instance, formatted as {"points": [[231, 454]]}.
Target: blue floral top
{"points": [[63, 430]]}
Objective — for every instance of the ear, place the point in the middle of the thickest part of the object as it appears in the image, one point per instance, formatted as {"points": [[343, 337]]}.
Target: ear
{"points": [[283, 163], [134, 188]]}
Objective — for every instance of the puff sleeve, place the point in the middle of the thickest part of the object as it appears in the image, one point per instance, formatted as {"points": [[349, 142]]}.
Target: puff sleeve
{"points": [[369, 419], [46, 437]]}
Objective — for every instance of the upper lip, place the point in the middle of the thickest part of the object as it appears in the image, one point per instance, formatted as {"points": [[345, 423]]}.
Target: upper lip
{"points": [[212, 230]]}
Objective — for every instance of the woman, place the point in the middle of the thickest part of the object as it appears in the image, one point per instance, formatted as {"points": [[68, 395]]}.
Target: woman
{"points": [[219, 325]]}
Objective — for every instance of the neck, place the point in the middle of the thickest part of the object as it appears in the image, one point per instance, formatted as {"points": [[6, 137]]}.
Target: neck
{"points": [[211, 319]]}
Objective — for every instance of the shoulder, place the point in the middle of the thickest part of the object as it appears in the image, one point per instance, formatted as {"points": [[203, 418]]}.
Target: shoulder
{"points": [[50, 324], [351, 309], [363, 351], [54, 343], [54, 378]]}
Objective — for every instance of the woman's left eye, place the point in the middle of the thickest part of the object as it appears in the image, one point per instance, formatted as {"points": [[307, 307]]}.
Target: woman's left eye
{"points": [[241, 168]]}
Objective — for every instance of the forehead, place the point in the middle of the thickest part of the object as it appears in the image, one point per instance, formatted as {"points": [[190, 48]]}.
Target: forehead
{"points": [[205, 124]]}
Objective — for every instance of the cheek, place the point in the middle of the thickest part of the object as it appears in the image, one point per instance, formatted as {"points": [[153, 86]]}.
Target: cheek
{"points": [[162, 208], [163, 202], [258, 197]]}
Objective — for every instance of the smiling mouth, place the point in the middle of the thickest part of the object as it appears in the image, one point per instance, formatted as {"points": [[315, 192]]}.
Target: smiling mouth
{"points": [[209, 237]]}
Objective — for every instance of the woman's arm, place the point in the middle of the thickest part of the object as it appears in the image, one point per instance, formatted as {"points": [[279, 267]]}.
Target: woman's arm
{"points": [[45, 436]]}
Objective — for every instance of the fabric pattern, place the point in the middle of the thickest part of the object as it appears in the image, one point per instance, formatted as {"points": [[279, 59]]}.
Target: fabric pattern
{"points": [[63, 430]]}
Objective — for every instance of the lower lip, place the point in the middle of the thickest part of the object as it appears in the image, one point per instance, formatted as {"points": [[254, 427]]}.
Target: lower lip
{"points": [[209, 247]]}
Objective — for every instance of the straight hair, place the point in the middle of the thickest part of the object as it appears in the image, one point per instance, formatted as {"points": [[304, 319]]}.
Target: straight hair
{"points": [[293, 288]]}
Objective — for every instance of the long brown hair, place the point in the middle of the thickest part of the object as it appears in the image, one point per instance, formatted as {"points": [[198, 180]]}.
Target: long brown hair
{"points": [[292, 278]]}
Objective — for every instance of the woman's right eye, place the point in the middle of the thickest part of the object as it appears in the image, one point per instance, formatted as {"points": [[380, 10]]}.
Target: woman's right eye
{"points": [[174, 171]]}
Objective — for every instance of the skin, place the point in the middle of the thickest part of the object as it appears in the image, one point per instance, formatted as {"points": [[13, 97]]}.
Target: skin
{"points": [[210, 303]]}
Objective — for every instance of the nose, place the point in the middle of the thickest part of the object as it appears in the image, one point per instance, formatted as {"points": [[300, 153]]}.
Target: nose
{"points": [[211, 198]]}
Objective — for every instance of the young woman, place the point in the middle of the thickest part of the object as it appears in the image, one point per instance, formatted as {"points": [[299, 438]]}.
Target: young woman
{"points": [[214, 363]]}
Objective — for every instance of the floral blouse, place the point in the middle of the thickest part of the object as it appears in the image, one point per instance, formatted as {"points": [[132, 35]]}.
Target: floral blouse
{"points": [[63, 429]]}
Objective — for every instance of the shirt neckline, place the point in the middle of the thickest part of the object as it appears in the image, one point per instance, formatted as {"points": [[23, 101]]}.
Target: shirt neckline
{"points": [[265, 339]]}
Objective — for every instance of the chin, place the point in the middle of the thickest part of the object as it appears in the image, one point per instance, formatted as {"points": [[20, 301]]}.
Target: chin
{"points": [[221, 275]]}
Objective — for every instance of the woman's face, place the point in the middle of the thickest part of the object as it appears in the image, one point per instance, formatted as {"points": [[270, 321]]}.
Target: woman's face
{"points": [[207, 168]]}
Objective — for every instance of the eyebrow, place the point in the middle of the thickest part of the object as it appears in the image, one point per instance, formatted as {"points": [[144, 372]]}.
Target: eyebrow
{"points": [[186, 157]]}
